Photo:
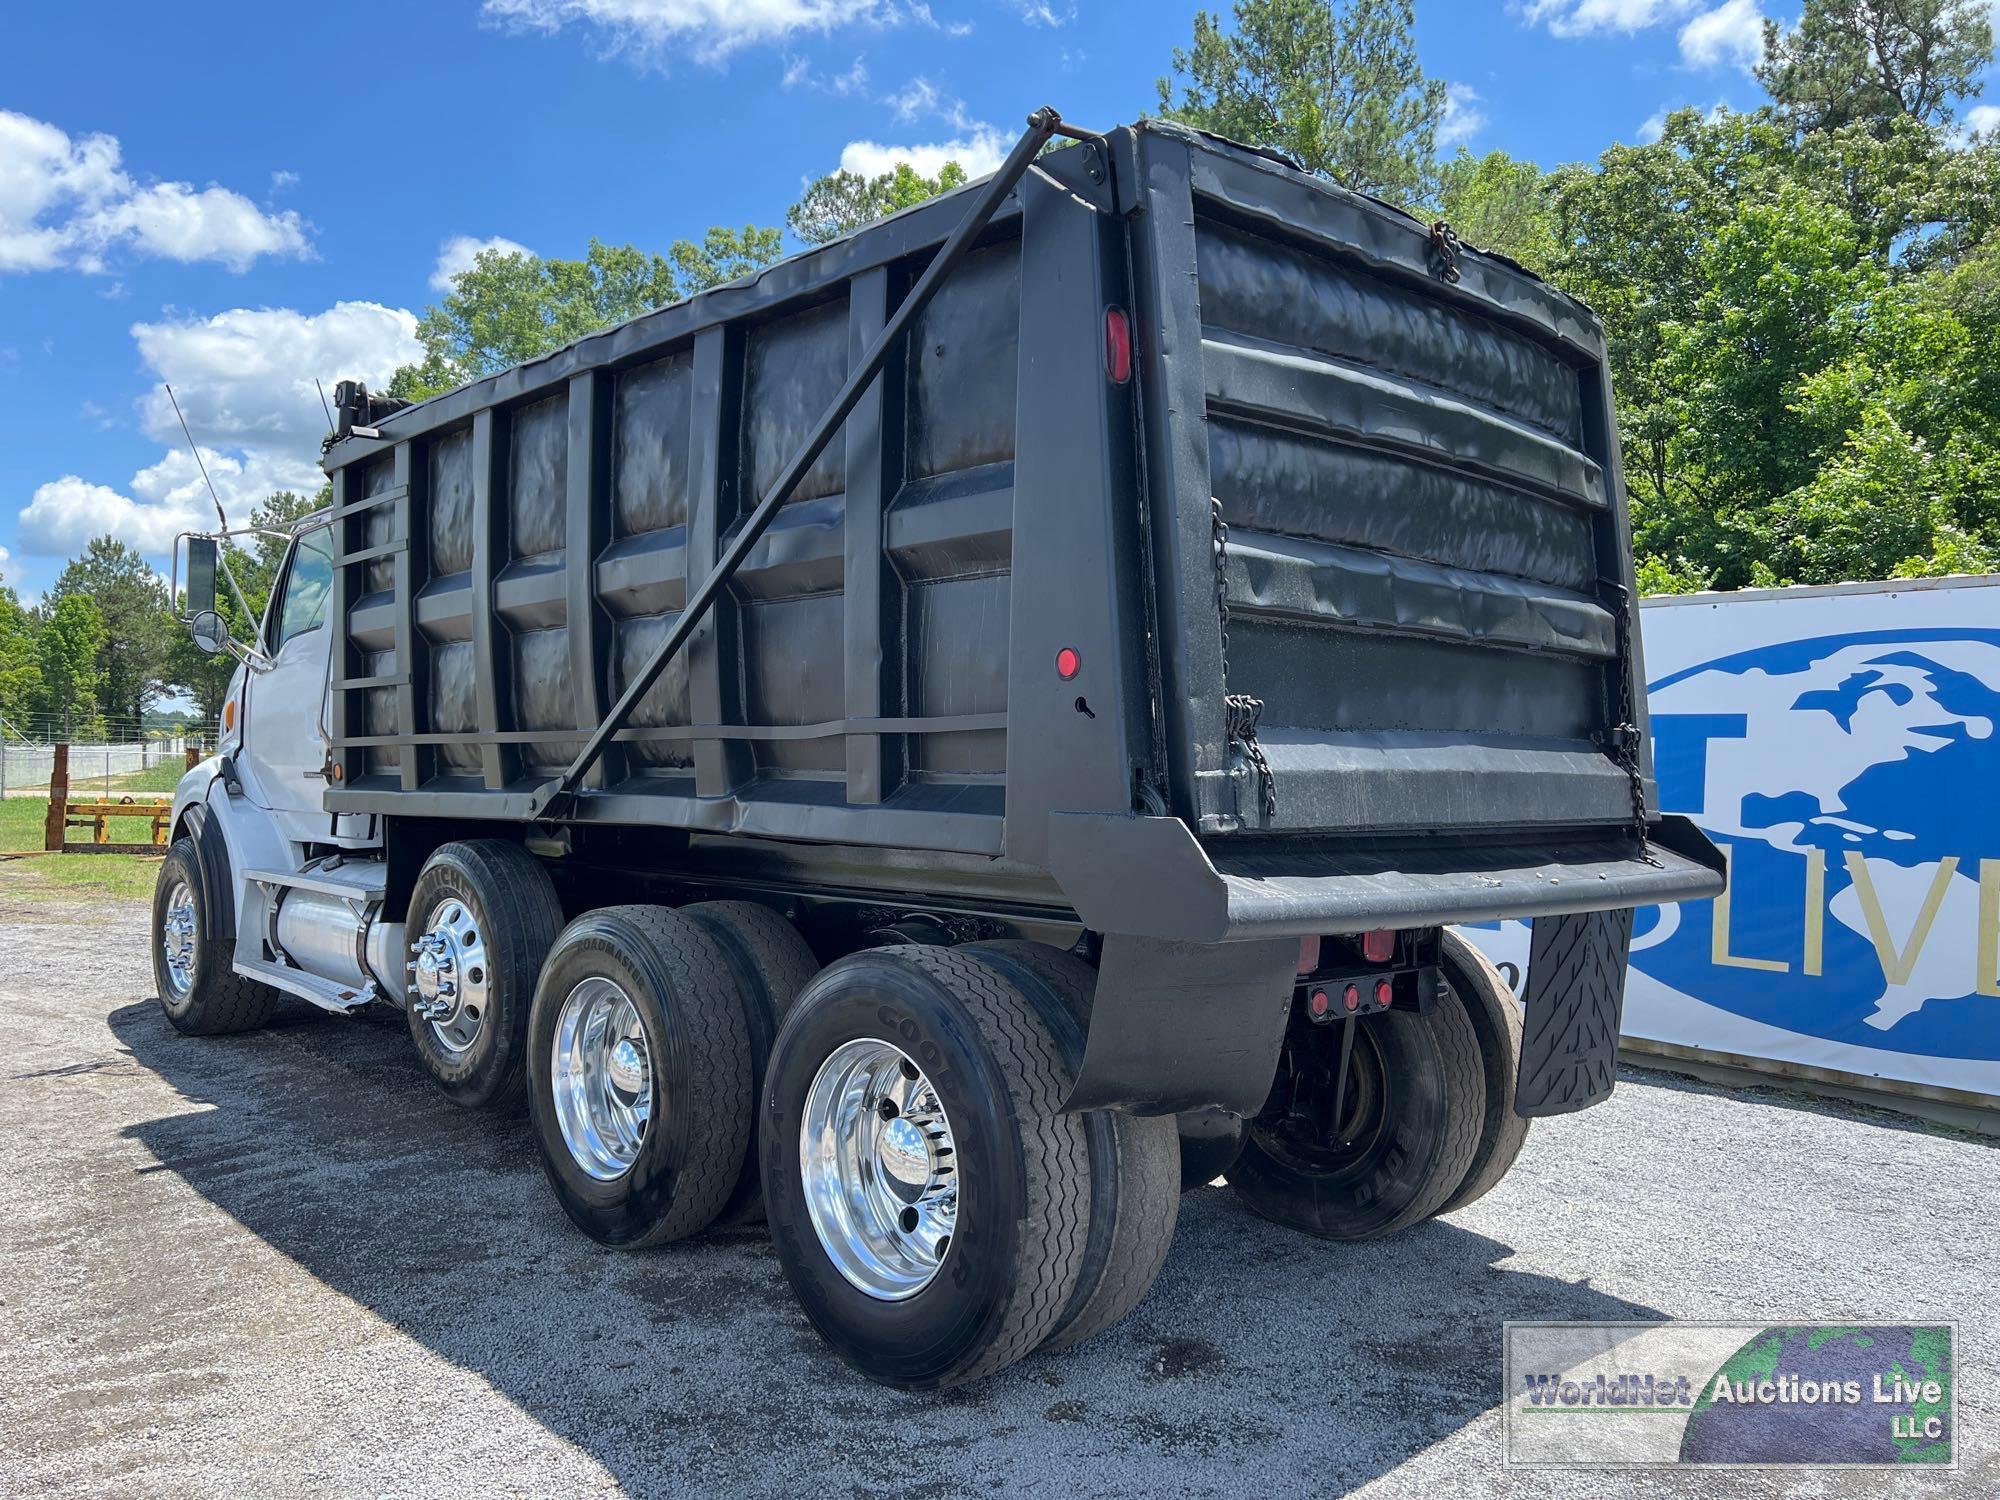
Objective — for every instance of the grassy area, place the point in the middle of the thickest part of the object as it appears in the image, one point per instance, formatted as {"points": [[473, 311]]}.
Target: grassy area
{"points": [[70, 877]]}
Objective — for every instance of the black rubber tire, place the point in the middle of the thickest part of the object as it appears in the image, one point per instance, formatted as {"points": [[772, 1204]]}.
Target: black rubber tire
{"points": [[514, 902], [1024, 1204], [685, 990], [1211, 1140], [218, 1000], [1495, 1016], [1434, 1105], [772, 964], [1135, 1162]]}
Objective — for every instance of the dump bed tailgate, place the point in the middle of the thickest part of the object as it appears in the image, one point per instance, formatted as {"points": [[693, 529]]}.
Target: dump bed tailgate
{"points": [[1396, 523]]}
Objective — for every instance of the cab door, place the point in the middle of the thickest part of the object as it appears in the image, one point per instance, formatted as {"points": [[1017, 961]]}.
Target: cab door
{"points": [[283, 761]]}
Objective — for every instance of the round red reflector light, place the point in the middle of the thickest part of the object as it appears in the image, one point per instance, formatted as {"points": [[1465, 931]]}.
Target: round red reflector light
{"points": [[1068, 663], [1117, 345], [1384, 992], [1351, 998], [1318, 1004]]}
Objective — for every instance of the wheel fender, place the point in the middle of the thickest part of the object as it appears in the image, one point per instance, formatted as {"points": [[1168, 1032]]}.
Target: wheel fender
{"points": [[218, 890]]}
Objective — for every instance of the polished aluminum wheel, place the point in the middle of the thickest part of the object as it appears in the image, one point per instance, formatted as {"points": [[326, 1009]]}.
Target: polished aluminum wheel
{"points": [[450, 979], [179, 930], [602, 1076], [880, 1169]]}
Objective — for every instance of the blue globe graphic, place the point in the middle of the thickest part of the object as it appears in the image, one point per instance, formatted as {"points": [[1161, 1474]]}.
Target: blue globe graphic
{"points": [[1879, 749]]}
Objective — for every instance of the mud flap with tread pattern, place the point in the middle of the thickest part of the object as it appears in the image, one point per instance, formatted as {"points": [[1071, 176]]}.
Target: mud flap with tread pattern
{"points": [[1575, 998]]}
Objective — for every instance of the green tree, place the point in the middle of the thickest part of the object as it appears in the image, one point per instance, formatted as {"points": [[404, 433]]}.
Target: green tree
{"points": [[1333, 83], [1874, 61], [71, 641], [1500, 202], [508, 308], [20, 663], [131, 602], [842, 202]]}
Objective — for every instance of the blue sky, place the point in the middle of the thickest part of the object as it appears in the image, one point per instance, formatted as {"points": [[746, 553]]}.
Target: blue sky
{"points": [[238, 197]]}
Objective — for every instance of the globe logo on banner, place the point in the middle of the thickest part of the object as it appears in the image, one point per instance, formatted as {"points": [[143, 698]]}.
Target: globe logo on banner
{"points": [[1854, 781]]}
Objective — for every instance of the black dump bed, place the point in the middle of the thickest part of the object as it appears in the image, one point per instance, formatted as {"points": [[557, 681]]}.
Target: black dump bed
{"points": [[1361, 486]]}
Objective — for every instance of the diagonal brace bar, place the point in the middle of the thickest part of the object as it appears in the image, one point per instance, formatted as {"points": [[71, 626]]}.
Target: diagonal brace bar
{"points": [[555, 799]]}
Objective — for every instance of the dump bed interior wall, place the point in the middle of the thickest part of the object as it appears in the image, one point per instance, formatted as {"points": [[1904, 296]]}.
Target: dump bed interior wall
{"points": [[1422, 526]]}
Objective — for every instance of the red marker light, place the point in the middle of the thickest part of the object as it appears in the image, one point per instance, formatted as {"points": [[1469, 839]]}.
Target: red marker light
{"points": [[1351, 998], [1318, 1004], [1117, 345], [1384, 992], [1068, 663], [1379, 946]]}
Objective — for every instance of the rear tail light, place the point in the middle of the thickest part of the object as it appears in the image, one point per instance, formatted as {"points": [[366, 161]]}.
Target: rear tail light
{"points": [[1379, 946], [1117, 345]]}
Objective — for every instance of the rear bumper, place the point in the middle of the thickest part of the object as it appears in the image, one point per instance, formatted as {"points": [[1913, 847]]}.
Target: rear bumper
{"points": [[1150, 877]]}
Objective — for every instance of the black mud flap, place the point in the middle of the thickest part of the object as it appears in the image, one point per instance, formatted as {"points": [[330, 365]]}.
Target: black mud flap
{"points": [[1575, 999]]}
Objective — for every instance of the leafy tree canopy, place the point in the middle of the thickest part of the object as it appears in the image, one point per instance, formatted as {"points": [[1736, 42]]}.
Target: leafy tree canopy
{"points": [[842, 202], [1873, 62]]}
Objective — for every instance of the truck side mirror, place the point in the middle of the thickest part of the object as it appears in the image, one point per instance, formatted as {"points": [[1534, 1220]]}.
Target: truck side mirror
{"points": [[210, 630], [201, 579]]}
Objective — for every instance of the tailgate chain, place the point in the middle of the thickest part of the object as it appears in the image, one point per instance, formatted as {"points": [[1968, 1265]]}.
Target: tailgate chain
{"points": [[1240, 711], [1622, 742]]}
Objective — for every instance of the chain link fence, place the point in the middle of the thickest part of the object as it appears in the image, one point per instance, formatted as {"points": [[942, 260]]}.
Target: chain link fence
{"points": [[114, 758]]}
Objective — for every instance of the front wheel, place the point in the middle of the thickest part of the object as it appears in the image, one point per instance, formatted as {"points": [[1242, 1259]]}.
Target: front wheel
{"points": [[200, 993], [927, 1198]]}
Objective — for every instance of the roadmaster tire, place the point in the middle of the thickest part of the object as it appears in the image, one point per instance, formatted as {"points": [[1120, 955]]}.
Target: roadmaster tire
{"points": [[689, 1151], [514, 911], [209, 998], [1476, 985], [1413, 1126], [1022, 1168], [772, 965], [1135, 1166]]}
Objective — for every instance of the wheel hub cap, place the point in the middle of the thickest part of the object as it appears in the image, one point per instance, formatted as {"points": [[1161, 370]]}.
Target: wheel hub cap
{"points": [[602, 1072], [177, 938], [880, 1169], [450, 979]]}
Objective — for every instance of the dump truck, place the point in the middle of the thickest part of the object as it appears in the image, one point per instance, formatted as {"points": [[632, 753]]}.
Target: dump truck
{"points": [[950, 739]]}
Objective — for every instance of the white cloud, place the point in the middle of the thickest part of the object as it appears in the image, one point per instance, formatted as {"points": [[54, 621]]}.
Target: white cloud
{"points": [[709, 30], [920, 99], [1586, 17], [282, 180], [1463, 117], [245, 379], [979, 152], [800, 74], [458, 254], [68, 202], [1732, 33], [1982, 119], [1653, 127], [4, 556], [1043, 13]]}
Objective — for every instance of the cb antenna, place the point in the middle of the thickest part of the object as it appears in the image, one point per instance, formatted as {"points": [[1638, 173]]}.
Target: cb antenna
{"points": [[221, 553]]}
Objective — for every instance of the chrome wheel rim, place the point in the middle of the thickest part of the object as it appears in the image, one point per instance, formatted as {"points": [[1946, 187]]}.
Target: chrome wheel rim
{"points": [[178, 930], [451, 981], [602, 1070], [880, 1169]]}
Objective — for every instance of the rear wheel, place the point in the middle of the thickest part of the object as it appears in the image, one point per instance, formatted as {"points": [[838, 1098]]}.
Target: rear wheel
{"points": [[1135, 1167], [772, 964], [1381, 1153], [639, 1075], [482, 918], [1495, 1016], [200, 993], [928, 1201]]}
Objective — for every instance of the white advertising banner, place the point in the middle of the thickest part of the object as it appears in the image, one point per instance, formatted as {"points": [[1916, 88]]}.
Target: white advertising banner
{"points": [[1842, 746]]}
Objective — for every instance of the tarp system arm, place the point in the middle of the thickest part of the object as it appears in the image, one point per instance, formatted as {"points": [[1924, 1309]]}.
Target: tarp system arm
{"points": [[554, 799]]}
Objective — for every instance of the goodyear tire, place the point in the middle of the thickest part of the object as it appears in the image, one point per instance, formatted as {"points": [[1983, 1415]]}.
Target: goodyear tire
{"points": [[199, 992], [639, 1075], [482, 917], [772, 964], [1411, 1118], [929, 1204], [1495, 1016], [1135, 1165]]}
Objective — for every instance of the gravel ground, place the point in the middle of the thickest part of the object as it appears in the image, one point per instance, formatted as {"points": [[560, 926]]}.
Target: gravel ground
{"points": [[280, 1264]]}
